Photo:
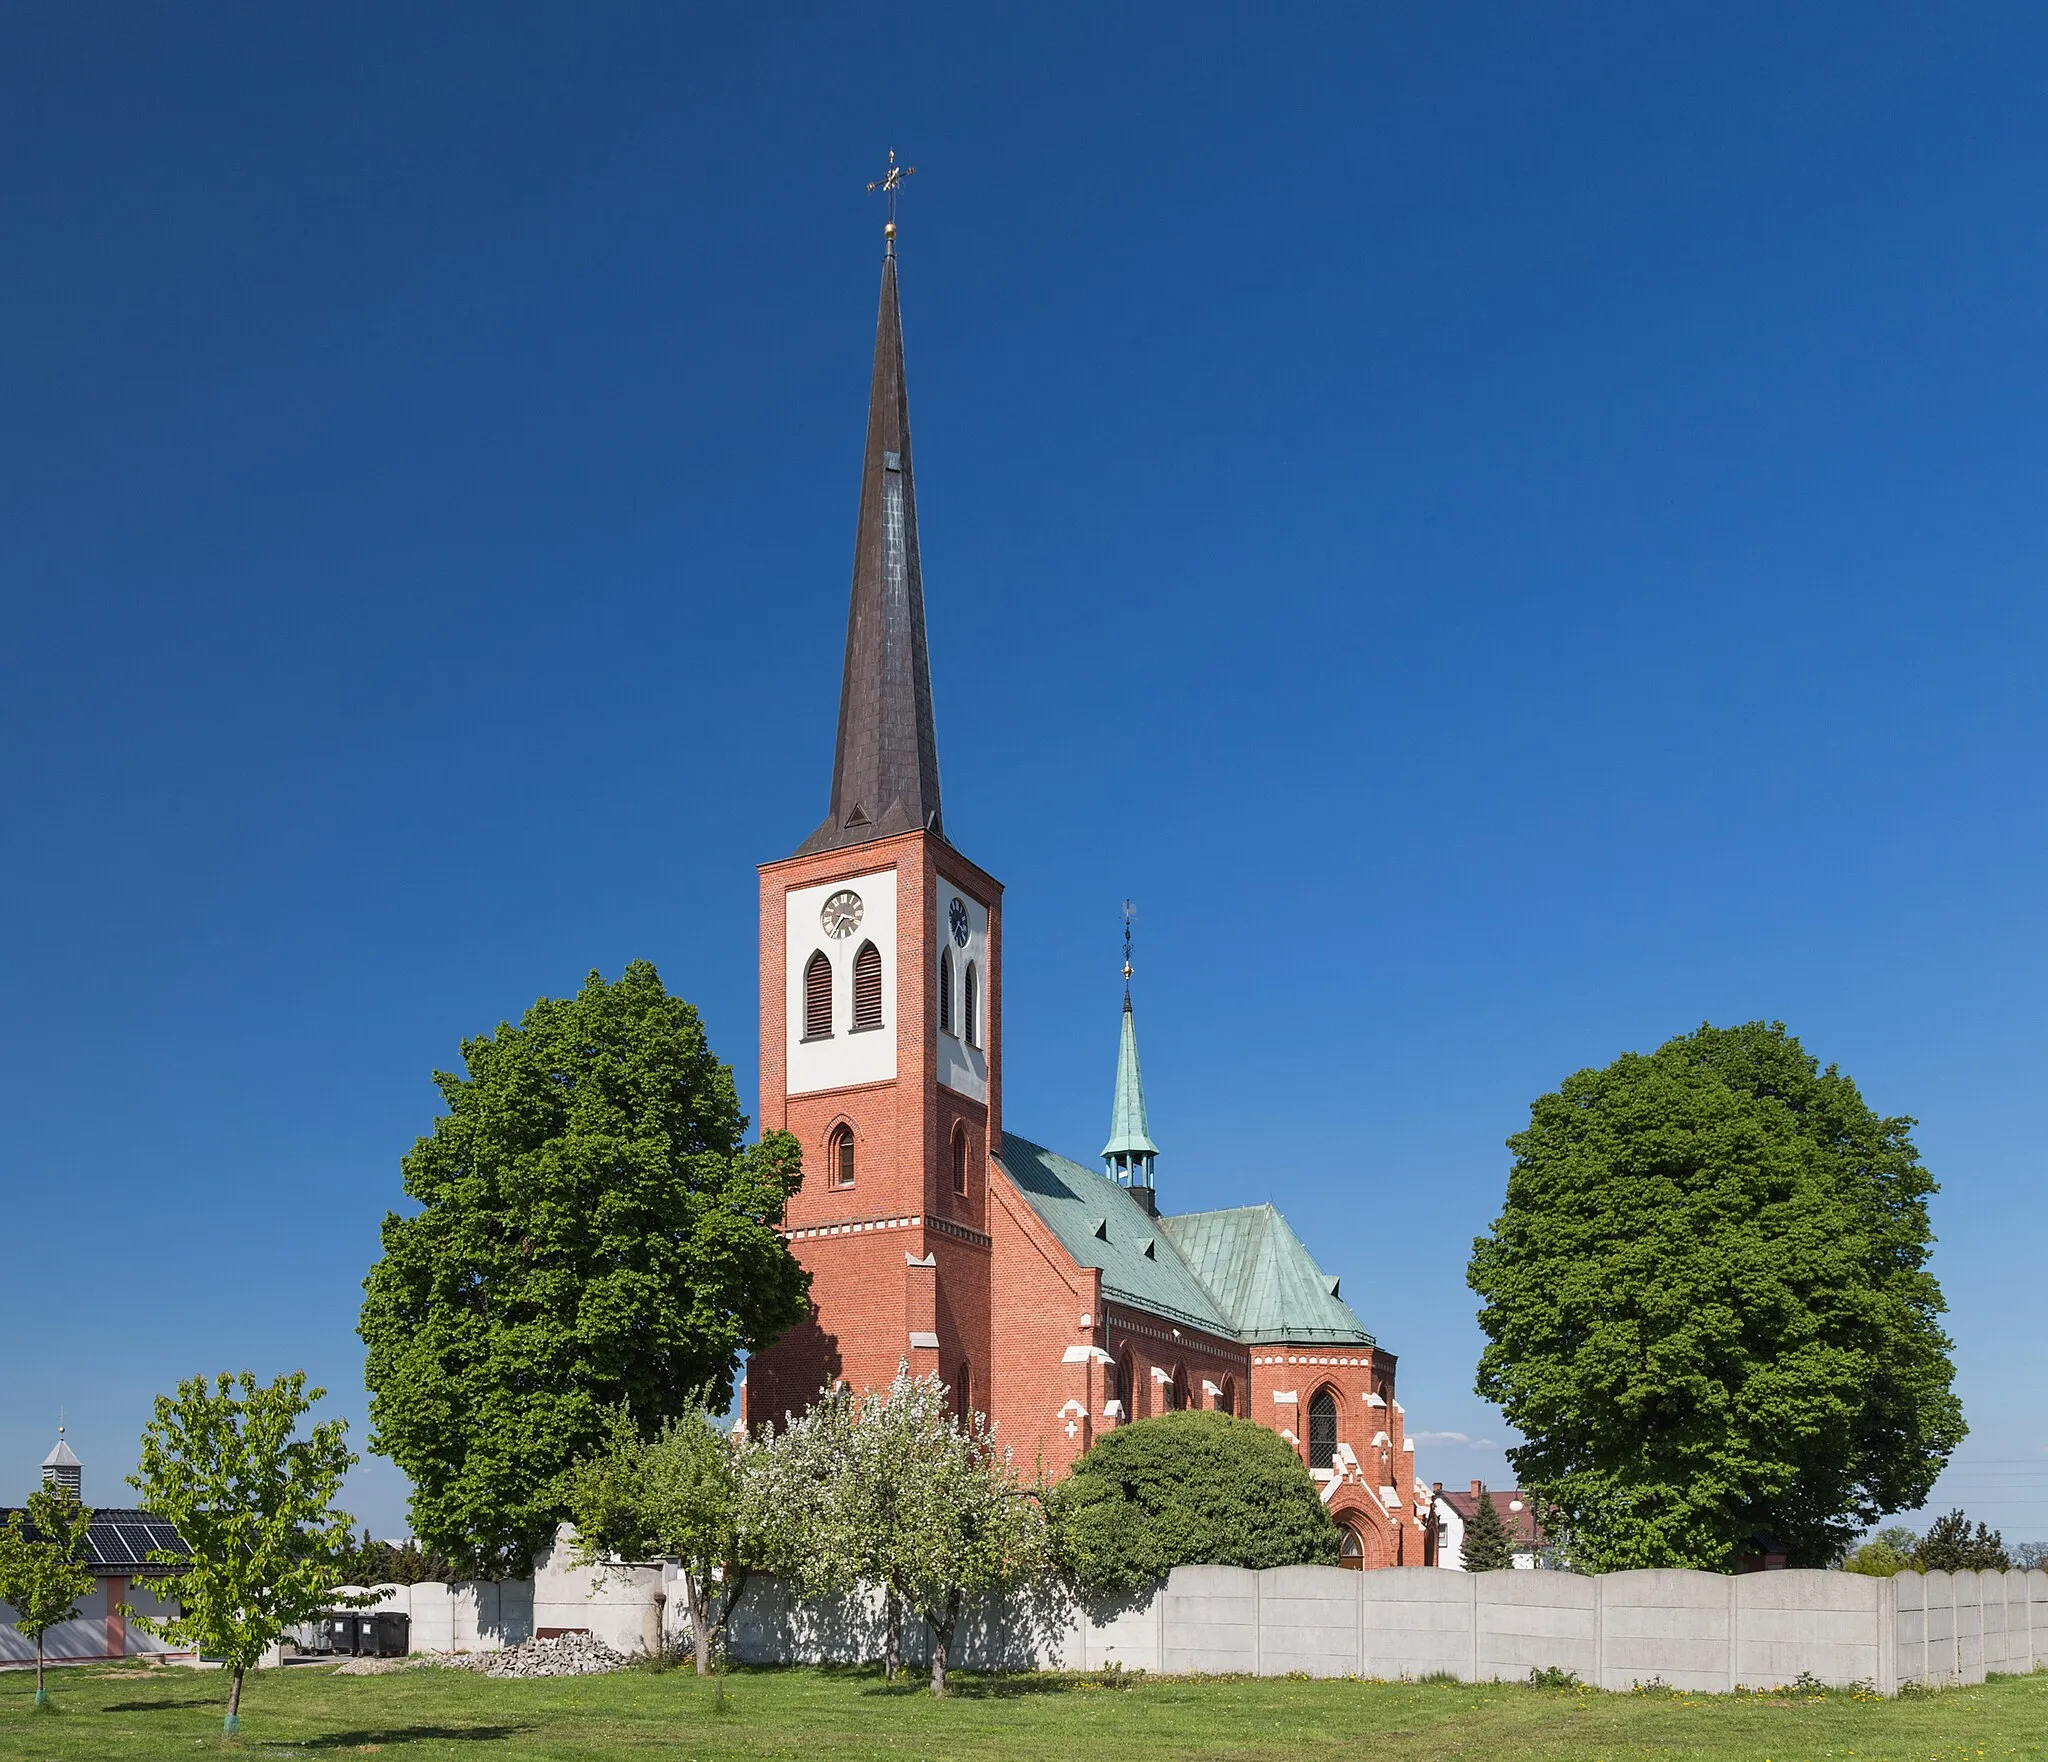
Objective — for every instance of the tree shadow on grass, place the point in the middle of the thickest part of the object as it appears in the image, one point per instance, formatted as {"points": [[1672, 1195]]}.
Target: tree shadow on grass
{"points": [[409, 1734], [155, 1706]]}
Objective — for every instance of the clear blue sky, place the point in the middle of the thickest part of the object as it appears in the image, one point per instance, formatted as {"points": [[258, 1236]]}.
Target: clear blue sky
{"points": [[1545, 503]]}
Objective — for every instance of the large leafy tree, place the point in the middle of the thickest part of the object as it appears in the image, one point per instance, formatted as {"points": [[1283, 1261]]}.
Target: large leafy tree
{"points": [[253, 1502], [42, 1566], [1708, 1307], [1184, 1489], [592, 1233]]}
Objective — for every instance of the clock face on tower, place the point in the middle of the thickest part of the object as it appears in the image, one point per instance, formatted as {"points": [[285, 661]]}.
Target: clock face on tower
{"points": [[841, 914], [957, 917]]}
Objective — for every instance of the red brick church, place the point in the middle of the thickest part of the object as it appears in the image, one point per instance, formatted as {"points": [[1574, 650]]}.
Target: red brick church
{"points": [[1055, 1297]]}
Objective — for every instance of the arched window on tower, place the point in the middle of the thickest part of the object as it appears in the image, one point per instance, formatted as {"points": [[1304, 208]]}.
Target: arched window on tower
{"points": [[1322, 1429], [960, 1160], [839, 1156], [817, 997], [867, 988], [963, 1394], [945, 991], [973, 1005]]}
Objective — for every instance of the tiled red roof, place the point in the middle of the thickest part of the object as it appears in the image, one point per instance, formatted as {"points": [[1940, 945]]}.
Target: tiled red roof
{"points": [[1521, 1525]]}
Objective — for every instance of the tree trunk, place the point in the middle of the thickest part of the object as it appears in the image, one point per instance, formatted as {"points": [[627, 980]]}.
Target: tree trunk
{"points": [[41, 1697], [942, 1640], [892, 1643], [694, 1593], [233, 1722]]}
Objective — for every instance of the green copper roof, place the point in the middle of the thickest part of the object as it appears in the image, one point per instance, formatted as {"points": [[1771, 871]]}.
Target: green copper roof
{"points": [[1101, 1225], [1242, 1273], [1128, 1135], [1262, 1276]]}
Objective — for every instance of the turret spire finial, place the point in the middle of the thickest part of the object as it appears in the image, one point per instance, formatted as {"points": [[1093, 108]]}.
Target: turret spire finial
{"points": [[889, 183], [1130, 912]]}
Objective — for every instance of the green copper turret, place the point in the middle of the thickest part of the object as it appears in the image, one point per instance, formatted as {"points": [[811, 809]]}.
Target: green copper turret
{"points": [[1130, 1152]]}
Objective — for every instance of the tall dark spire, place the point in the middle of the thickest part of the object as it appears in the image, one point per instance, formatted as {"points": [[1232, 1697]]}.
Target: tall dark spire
{"points": [[885, 772]]}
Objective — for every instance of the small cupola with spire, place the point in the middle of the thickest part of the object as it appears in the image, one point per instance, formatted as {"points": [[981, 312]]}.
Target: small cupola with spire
{"points": [[1130, 1155], [61, 1468]]}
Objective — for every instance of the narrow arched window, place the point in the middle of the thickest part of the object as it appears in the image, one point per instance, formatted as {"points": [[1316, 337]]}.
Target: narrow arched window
{"points": [[945, 991], [1177, 1392], [973, 1005], [960, 1160], [1127, 1385], [817, 997], [1226, 1397], [1350, 1550], [1322, 1429], [867, 988], [839, 1156], [963, 1394]]}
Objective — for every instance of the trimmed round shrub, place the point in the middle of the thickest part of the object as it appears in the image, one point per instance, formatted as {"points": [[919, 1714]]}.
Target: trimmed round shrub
{"points": [[1187, 1489]]}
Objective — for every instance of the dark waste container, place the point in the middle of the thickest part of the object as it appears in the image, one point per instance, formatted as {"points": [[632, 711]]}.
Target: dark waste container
{"points": [[386, 1634]]}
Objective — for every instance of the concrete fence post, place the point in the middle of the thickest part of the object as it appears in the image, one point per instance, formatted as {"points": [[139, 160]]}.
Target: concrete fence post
{"points": [[1472, 1602], [1599, 1632], [1734, 1634]]}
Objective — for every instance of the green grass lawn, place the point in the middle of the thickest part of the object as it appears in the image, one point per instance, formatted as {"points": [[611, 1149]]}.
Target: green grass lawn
{"points": [[818, 1715]]}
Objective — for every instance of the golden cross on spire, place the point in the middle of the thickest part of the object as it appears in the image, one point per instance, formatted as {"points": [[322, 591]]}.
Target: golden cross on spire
{"points": [[889, 183]]}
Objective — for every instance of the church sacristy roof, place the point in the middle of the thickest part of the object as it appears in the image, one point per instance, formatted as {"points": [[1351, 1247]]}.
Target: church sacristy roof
{"points": [[1243, 1273], [885, 769]]}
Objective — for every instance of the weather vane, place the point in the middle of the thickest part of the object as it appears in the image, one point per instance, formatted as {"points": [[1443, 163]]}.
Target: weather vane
{"points": [[889, 183], [1130, 912]]}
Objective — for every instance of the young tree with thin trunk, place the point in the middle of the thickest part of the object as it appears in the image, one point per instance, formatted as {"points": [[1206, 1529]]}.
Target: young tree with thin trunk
{"points": [[1487, 1546], [891, 1488], [42, 1566], [254, 1504], [690, 1493]]}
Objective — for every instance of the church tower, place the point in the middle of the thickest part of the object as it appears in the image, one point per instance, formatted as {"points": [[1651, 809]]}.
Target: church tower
{"points": [[881, 993]]}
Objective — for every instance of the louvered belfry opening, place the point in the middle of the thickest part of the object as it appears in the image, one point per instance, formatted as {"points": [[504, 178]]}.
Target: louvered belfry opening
{"points": [[867, 988], [1322, 1429], [945, 991], [817, 997]]}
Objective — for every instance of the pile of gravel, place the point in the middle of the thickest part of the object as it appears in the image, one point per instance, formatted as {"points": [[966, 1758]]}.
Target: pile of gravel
{"points": [[570, 1655]]}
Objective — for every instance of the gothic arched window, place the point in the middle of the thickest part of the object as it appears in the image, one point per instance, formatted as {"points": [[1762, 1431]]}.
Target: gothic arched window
{"points": [[1226, 1397], [973, 1002], [817, 997], [1127, 1384], [963, 1394], [1350, 1550], [945, 991], [960, 1160], [1177, 1392], [867, 988], [839, 1156], [1322, 1429]]}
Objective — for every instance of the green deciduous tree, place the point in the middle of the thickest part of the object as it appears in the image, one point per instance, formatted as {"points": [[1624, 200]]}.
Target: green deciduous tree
{"points": [[254, 1504], [1184, 1489], [1487, 1546], [1950, 1546], [42, 1566], [891, 1488], [1884, 1555], [1708, 1307], [592, 1234], [690, 1492]]}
